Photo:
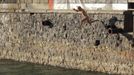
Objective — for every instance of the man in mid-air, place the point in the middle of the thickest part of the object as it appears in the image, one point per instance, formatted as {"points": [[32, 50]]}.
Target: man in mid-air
{"points": [[86, 17]]}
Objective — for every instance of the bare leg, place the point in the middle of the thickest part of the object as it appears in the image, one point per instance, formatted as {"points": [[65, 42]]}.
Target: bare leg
{"points": [[83, 20], [89, 21]]}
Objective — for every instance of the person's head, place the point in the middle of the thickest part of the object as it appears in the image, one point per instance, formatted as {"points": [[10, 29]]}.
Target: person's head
{"points": [[79, 8]]}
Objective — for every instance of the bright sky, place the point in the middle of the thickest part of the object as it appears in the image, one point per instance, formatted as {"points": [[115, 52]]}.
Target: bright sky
{"points": [[63, 4]]}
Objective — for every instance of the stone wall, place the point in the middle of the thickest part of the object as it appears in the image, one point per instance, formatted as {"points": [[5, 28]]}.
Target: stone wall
{"points": [[24, 38]]}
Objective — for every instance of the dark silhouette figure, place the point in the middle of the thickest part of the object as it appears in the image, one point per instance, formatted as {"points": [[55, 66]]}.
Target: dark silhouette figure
{"points": [[111, 25], [47, 23], [112, 29]]}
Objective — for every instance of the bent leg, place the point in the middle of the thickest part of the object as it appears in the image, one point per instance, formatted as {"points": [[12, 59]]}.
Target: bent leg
{"points": [[89, 21], [83, 20]]}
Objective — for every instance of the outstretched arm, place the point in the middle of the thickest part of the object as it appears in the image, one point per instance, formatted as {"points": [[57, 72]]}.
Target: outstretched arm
{"points": [[76, 10]]}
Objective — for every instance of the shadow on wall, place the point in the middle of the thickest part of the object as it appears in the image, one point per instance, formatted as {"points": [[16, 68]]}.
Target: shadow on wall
{"points": [[113, 29]]}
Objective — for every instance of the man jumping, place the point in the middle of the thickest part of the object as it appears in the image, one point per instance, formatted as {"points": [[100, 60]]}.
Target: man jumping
{"points": [[86, 18]]}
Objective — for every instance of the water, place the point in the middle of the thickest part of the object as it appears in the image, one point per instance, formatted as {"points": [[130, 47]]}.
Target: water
{"points": [[10, 67]]}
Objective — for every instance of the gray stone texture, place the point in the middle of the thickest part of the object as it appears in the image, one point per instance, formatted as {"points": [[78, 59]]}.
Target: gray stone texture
{"points": [[24, 38]]}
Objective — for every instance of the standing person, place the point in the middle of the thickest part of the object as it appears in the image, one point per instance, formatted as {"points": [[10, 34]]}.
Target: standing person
{"points": [[86, 17]]}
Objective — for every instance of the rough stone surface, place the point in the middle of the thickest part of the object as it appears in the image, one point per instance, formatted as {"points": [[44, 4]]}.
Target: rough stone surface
{"points": [[24, 38]]}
